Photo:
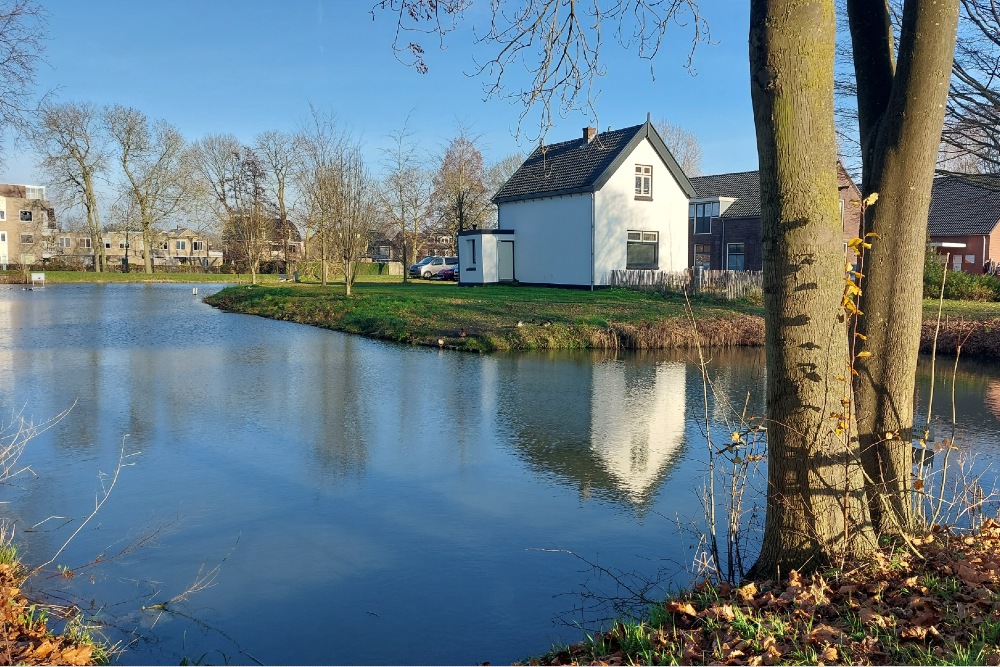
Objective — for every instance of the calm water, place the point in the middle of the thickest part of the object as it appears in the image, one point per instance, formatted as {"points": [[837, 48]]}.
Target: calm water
{"points": [[358, 502]]}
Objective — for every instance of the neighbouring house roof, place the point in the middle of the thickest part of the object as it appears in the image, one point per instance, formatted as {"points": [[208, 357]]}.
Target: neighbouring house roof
{"points": [[743, 186], [578, 166], [965, 205]]}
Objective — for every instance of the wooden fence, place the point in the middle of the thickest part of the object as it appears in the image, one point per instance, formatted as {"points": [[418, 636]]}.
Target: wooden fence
{"points": [[725, 284]]}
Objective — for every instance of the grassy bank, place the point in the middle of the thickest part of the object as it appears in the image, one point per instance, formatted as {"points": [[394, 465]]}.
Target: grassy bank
{"points": [[502, 317]]}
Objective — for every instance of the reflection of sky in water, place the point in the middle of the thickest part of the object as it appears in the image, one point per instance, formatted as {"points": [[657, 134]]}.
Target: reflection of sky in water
{"points": [[360, 490]]}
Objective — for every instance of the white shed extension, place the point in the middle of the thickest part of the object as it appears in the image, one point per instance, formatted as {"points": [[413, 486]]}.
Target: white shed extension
{"points": [[577, 210]]}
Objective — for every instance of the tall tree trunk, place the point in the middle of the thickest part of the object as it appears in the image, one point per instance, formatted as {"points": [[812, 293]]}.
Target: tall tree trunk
{"points": [[147, 243], [900, 116], [816, 508]]}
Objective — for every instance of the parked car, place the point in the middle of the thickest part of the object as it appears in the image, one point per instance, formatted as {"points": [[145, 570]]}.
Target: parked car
{"points": [[449, 272], [431, 266]]}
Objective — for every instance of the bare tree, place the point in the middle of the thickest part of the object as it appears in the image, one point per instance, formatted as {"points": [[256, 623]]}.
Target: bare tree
{"points": [[322, 146], [354, 212], [250, 226], [280, 158], [460, 199], [22, 42], [406, 193], [234, 179], [683, 145], [560, 41], [496, 176], [74, 150], [901, 102], [151, 159]]}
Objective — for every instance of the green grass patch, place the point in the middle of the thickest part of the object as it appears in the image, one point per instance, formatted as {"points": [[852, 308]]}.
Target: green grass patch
{"points": [[500, 317]]}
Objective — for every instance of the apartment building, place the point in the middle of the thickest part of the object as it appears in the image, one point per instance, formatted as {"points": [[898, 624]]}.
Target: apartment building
{"points": [[27, 224]]}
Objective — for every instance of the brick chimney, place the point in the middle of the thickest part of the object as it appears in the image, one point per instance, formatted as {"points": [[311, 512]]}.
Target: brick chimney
{"points": [[589, 133]]}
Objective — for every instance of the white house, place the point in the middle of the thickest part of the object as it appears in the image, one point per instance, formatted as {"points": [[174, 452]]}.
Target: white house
{"points": [[576, 210]]}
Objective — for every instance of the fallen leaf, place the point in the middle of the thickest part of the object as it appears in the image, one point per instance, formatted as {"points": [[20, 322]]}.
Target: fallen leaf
{"points": [[747, 593], [680, 607]]}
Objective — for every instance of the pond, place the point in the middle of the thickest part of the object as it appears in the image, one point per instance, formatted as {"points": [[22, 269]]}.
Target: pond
{"points": [[300, 496]]}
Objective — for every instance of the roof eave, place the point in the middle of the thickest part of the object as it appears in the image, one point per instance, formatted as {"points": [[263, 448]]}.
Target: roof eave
{"points": [[543, 195]]}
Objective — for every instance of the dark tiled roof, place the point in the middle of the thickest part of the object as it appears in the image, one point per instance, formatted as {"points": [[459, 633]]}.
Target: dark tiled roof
{"points": [[964, 205], [743, 186], [577, 166]]}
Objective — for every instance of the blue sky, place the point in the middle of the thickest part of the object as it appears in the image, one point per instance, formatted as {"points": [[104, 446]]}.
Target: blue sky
{"points": [[247, 66]]}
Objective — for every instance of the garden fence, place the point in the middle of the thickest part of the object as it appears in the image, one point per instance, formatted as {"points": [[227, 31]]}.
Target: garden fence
{"points": [[724, 284]]}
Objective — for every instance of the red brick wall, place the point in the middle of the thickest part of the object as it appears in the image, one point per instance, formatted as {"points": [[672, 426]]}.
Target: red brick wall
{"points": [[973, 251]]}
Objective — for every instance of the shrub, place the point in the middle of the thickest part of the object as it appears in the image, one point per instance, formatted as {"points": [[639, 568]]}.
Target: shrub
{"points": [[960, 286]]}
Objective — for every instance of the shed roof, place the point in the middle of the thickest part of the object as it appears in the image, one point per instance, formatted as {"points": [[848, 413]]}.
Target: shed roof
{"points": [[573, 167]]}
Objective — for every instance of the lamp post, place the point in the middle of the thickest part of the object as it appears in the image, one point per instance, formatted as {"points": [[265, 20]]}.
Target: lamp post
{"points": [[125, 258]]}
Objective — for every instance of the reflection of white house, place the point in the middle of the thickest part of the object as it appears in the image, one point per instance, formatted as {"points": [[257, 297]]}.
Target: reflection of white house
{"points": [[577, 210], [637, 428]]}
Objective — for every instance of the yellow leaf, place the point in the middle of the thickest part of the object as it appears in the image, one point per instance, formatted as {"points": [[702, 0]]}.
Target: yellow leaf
{"points": [[870, 199], [875, 234], [861, 336], [864, 355]]}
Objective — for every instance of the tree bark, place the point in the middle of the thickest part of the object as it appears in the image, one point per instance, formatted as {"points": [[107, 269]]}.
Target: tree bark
{"points": [[816, 508], [900, 114]]}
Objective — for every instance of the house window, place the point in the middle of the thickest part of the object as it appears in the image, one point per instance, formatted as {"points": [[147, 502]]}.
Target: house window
{"points": [[64, 242], [83, 243], [3, 214], [700, 216], [197, 245], [703, 256], [180, 245], [3, 237], [642, 250], [34, 192], [970, 259], [164, 246], [121, 245], [27, 239], [735, 257], [644, 181], [26, 216], [107, 245], [471, 245]]}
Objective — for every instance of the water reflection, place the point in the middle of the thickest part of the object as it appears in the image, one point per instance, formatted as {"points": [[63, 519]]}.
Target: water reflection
{"points": [[610, 425]]}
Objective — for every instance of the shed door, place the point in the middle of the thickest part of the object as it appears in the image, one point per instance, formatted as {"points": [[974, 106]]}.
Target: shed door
{"points": [[505, 261]]}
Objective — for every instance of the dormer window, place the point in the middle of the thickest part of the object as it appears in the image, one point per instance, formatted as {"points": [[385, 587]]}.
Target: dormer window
{"points": [[644, 181], [700, 216]]}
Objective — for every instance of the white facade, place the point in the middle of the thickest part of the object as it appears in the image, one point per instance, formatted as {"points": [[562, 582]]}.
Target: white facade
{"points": [[578, 238], [618, 211]]}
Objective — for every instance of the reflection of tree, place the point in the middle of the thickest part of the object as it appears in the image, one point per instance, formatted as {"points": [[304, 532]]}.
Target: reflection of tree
{"points": [[612, 428], [340, 444]]}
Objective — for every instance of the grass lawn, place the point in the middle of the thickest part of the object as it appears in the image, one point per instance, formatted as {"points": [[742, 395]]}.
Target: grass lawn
{"points": [[975, 310], [498, 317]]}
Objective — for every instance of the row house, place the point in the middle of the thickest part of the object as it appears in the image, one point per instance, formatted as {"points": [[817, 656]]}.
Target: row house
{"points": [[724, 220], [27, 224]]}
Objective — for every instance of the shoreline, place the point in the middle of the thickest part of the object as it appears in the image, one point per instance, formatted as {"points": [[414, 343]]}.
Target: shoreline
{"points": [[530, 326]]}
